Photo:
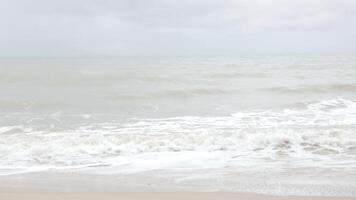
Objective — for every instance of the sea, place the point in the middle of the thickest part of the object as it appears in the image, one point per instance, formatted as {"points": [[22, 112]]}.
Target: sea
{"points": [[287, 119]]}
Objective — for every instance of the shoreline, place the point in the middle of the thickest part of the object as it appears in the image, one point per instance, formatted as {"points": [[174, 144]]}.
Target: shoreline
{"points": [[171, 182], [153, 195]]}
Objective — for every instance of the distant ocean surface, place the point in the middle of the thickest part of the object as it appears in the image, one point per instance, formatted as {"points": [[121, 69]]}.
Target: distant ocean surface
{"points": [[132, 114]]}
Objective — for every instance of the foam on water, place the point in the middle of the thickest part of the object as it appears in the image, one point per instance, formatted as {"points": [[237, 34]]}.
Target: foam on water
{"points": [[320, 134]]}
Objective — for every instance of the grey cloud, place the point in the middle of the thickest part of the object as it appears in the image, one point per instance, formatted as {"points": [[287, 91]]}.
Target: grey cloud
{"points": [[130, 27]]}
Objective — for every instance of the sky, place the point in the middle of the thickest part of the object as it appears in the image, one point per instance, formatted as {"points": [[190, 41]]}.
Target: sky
{"points": [[176, 27]]}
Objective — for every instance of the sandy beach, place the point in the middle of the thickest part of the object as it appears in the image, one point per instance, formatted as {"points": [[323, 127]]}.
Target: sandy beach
{"points": [[149, 196]]}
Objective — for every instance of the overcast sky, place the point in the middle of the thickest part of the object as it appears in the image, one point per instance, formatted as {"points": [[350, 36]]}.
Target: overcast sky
{"points": [[176, 27]]}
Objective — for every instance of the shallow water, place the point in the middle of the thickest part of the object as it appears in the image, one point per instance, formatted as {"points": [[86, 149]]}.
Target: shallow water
{"points": [[130, 115]]}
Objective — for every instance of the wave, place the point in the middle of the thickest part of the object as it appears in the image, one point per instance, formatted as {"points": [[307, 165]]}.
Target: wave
{"points": [[319, 135], [238, 75], [190, 92], [174, 94], [314, 89]]}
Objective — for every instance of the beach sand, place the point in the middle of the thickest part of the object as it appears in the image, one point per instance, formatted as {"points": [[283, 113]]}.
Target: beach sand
{"points": [[150, 196], [73, 186]]}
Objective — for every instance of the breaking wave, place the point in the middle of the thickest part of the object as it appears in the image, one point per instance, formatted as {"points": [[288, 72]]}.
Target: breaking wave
{"points": [[320, 134]]}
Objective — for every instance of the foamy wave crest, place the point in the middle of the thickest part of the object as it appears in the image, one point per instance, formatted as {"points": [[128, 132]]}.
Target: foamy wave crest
{"points": [[321, 134]]}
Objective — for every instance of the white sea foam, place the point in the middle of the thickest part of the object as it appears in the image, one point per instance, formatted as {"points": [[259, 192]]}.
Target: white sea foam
{"points": [[320, 135]]}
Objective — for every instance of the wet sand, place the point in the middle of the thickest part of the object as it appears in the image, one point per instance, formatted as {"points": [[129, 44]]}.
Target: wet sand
{"points": [[71, 185], [148, 196]]}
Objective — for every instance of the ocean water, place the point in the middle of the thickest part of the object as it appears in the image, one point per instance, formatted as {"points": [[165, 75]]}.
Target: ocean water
{"points": [[126, 115]]}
